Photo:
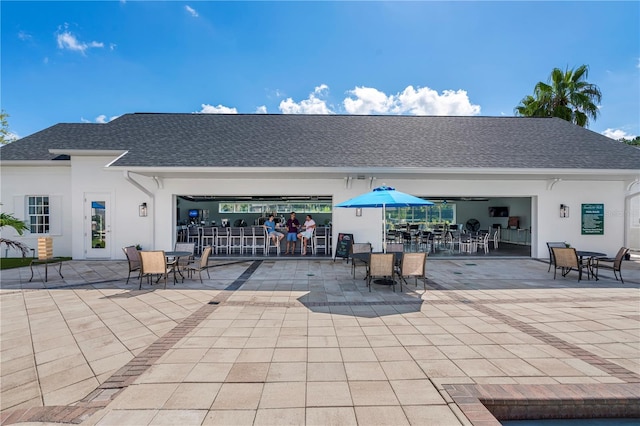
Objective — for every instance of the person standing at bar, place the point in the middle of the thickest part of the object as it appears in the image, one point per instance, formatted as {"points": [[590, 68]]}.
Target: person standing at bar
{"points": [[292, 233]]}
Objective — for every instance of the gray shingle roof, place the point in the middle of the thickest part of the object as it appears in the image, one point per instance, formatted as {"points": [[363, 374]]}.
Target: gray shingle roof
{"points": [[257, 140]]}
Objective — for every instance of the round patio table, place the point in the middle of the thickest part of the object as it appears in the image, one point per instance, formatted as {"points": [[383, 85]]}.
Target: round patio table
{"points": [[177, 255], [590, 255]]}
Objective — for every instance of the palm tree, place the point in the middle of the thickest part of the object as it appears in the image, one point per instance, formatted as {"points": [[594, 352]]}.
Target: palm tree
{"points": [[567, 96], [7, 219]]}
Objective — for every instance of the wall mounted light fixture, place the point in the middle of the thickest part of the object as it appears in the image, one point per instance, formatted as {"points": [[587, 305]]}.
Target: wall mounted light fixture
{"points": [[358, 211], [142, 210], [564, 210]]}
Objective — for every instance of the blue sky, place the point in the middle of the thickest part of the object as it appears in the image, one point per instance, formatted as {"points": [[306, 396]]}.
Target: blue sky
{"points": [[92, 61]]}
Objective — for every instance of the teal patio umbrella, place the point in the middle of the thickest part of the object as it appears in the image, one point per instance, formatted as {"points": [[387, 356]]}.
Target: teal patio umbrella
{"points": [[384, 196]]}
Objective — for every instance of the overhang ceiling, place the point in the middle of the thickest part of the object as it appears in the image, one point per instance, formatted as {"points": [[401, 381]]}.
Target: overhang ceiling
{"points": [[257, 198]]}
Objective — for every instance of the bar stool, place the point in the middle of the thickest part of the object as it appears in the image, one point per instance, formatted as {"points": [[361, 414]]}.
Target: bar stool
{"points": [[259, 239], [222, 240], [310, 244], [193, 236], [321, 239], [236, 235], [270, 244], [208, 237]]}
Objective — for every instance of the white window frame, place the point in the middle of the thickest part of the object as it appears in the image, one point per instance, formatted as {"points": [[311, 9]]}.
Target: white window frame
{"points": [[39, 207]]}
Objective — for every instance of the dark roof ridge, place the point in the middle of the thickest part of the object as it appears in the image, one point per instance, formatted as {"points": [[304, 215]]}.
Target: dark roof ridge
{"points": [[327, 115]]}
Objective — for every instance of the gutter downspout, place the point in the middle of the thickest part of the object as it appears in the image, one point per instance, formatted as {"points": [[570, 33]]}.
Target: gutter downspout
{"points": [[152, 199]]}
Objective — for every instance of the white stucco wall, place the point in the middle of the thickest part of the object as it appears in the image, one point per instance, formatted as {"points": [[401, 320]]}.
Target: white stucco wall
{"points": [[535, 204], [126, 226], [633, 234], [17, 183]]}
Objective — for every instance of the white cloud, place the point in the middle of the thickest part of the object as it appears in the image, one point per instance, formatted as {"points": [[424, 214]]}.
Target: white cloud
{"points": [[369, 100], [274, 93], [66, 40], [101, 119], [312, 105], [220, 109], [24, 36], [617, 134], [191, 11], [423, 101]]}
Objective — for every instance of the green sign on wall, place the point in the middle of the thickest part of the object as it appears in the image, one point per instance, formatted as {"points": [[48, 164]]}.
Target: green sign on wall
{"points": [[593, 219]]}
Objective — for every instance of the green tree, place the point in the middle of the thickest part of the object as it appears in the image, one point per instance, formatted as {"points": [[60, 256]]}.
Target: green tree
{"points": [[5, 135], [633, 142], [7, 219], [567, 95]]}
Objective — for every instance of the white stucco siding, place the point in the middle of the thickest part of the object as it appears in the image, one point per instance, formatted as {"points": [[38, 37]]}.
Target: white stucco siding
{"points": [[575, 194], [533, 200], [20, 182], [634, 221], [126, 226]]}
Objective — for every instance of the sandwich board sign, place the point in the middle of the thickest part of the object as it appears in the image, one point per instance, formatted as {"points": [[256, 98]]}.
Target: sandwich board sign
{"points": [[343, 248]]}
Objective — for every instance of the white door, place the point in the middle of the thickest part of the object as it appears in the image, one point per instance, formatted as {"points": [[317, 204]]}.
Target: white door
{"points": [[97, 225]]}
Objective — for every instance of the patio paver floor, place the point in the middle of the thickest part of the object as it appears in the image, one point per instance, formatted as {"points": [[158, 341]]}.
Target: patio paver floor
{"points": [[301, 341]]}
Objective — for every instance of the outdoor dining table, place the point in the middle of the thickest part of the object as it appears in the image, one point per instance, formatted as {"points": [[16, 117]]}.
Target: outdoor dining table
{"points": [[590, 255], [177, 255]]}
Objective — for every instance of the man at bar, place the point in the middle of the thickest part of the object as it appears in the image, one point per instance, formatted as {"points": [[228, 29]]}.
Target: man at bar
{"points": [[292, 233], [270, 226]]}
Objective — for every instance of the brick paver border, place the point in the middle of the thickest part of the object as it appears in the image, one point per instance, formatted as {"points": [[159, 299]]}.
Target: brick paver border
{"points": [[484, 404], [481, 404], [609, 367], [121, 379]]}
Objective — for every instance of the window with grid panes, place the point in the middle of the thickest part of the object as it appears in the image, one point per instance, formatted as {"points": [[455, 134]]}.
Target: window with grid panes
{"points": [[38, 208]]}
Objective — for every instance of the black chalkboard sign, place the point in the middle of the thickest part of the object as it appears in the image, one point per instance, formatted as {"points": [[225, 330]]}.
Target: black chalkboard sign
{"points": [[345, 241]]}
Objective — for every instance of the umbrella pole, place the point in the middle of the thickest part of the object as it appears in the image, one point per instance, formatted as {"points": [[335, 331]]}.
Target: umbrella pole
{"points": [[384, 228]]}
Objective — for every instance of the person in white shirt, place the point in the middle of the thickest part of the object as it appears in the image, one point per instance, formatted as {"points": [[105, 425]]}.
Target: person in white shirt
{"points": [[309, 226]]}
